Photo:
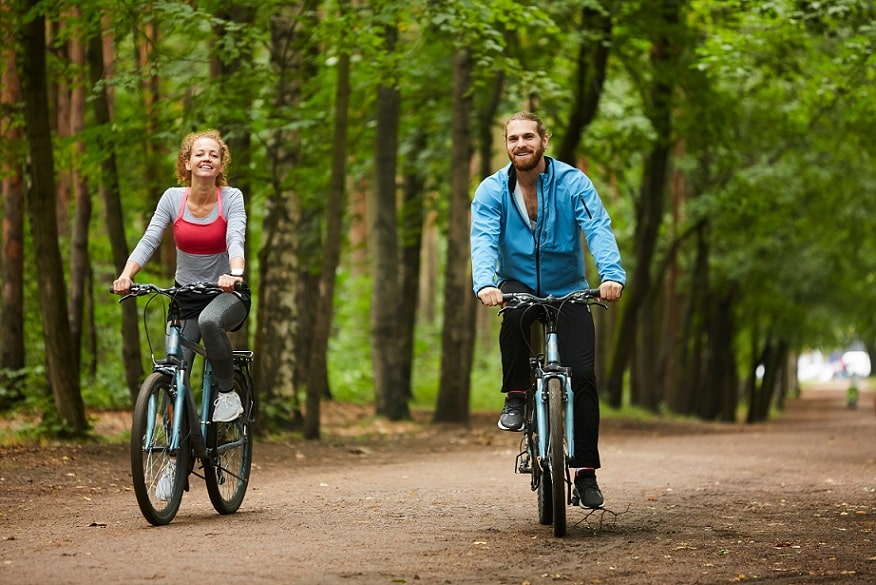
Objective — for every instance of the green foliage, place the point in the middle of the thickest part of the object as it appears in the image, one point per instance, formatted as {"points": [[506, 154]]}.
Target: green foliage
{"points": [[773, 120]]}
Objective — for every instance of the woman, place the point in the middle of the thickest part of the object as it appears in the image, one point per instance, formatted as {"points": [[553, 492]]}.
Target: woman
{"points": [[209, 229]]}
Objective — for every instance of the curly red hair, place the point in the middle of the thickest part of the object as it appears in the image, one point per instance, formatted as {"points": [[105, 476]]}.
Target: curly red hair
{"points": [[185, 153]]}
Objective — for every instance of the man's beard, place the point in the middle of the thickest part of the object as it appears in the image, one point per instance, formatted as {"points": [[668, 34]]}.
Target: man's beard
{"points": [[531, 162]]}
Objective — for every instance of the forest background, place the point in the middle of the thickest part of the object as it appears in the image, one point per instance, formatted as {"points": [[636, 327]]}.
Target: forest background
{"points": [[730, 140]]}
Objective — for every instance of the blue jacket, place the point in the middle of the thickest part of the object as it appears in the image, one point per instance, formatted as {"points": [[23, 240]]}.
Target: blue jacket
{"points": [[549, 259]]}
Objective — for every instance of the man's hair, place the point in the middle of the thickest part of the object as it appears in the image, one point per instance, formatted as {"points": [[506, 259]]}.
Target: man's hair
{"points": [[185, 153], [542, 131]]}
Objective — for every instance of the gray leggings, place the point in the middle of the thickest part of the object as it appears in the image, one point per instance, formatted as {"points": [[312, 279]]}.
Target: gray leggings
{"points": [[224, 313]]}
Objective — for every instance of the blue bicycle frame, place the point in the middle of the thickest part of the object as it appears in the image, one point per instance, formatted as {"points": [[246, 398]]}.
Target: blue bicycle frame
{"points": [[552, 369], [174, 366]]}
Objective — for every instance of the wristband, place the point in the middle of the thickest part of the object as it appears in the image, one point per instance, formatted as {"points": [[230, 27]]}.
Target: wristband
{"points": [[237, 272]]}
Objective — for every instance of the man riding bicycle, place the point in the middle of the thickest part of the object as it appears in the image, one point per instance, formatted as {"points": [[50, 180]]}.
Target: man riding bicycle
{"points": [[527, 222]]}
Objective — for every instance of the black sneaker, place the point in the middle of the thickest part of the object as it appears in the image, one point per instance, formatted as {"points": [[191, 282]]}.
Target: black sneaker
{"points": [[587, 492], [511, 418]]}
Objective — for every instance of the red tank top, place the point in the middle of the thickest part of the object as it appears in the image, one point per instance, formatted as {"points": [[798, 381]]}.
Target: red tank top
{"points": [[200, 238]]}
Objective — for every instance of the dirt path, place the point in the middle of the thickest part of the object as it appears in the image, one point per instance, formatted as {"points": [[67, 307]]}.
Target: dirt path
{"points": [[791, 502]]}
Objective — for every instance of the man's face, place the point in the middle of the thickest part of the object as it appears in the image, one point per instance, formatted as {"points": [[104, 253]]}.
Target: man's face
{"points": [[525, 147]]}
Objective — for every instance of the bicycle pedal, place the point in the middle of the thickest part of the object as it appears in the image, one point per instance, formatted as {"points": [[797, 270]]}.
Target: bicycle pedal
{"points": [[524, 468]]}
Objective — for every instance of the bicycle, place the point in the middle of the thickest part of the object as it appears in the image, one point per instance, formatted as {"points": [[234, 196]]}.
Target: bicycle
{"points": [[168, 432], [548, 430]]}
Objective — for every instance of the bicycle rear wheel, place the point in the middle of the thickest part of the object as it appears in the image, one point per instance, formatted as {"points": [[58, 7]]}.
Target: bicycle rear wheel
{"points": [[226, 470], [151, 456], [557, 453]]}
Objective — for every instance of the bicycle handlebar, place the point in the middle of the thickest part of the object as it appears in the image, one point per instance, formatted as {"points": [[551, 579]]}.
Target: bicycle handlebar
{"points": [[517, 300], [139, 290], [576, 296]]}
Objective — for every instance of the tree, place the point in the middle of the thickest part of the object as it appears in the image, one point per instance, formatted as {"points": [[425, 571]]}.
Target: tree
{"points": [[12, 349], [650, 206], [63, 373], [278, 259], [457, 341], [111, 194], [317, 382], [389, 393]]}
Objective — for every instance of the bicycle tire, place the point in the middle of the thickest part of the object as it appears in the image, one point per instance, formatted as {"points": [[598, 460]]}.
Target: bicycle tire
{"points": [[226, 470], [557, 453], [150, 455], [545, 499], [541, 481]]}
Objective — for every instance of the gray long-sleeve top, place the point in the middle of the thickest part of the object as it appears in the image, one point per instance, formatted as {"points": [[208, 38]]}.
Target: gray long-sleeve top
{"points": [[192, 268]]}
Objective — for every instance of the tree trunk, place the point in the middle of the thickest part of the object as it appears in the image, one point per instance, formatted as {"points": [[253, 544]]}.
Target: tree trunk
{"points": [[115, 220], [62, 369], [277, 321], [80, 261], [318, 382], [390, 397], [724, 370], [652, 198], [236, 125], [154, 152], [589, 78], [457, 340], [412, 221], [12, 355]]}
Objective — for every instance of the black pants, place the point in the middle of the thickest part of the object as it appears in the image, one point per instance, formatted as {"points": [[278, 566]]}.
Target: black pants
{"points": [[577, 344]]}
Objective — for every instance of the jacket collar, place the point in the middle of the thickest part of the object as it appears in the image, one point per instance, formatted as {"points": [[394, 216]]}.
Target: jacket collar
{"points": [[512, 172]]}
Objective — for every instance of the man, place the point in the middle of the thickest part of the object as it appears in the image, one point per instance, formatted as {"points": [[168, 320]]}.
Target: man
{"points": [[527, 221]]}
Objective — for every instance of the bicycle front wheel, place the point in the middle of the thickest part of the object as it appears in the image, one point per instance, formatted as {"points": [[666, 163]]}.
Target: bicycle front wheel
{"points": [[159, 475], [541, 480], [557, 453], [226, 470]]}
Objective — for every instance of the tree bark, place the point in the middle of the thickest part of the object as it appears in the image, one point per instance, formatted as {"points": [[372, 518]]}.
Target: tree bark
{"points": [[277, 317], [412, 220], [318, 382], [590, 71], [80, 260], [12, 353], [390, 398], [457, 340], [236, 125], [63, 374], [111, 193], [651, 203]]}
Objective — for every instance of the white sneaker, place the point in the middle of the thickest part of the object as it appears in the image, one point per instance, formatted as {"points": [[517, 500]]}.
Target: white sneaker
{"points": [[164, 489], [227, 407]]}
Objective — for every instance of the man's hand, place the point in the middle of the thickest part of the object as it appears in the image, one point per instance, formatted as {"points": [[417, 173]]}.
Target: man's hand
{"points": [[610, 290], [490, 296]]}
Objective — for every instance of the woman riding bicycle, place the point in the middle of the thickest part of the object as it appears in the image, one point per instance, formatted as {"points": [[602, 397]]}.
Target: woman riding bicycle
{"points": [[209, 229], [527, 221]]}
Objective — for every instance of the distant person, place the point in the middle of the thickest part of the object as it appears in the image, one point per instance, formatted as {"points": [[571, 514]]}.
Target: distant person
{"points": [[527, 223]]}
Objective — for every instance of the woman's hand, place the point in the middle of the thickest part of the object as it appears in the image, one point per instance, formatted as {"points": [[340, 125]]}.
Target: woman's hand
{"points": [[228, 282], [122, 285]]}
